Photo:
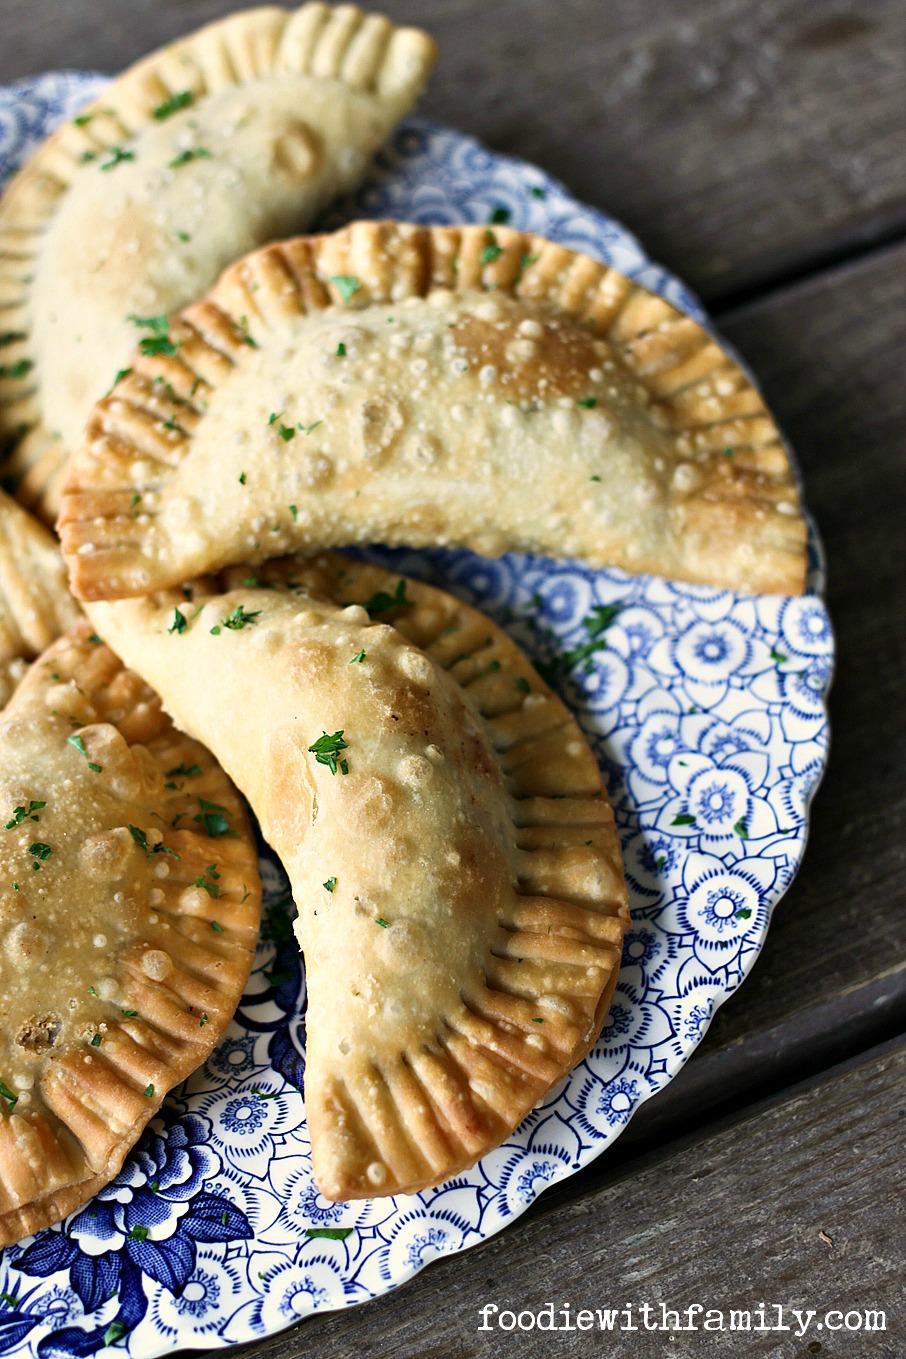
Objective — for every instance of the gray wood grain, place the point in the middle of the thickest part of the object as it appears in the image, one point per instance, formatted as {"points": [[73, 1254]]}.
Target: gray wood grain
{"points": [[796, 1204], [741, 139]]}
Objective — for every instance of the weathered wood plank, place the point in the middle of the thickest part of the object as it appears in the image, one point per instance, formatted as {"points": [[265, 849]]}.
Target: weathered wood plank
{"points": [[742, 139], [794, 1205]]}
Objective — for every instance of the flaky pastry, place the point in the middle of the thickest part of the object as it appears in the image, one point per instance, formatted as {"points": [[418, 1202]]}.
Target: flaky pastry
{"points": [[447, 836], [415, 385], [129, 906], [235, 135]]}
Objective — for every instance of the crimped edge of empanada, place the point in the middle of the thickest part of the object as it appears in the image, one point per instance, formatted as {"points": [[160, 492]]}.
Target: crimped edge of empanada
{"points": [[694, 389], [549, 976], [364, 51], [55, 1157], [35, 601]]}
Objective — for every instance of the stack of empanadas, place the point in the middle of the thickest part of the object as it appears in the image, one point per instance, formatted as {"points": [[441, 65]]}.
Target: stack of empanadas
{"points": [[449, 841]]}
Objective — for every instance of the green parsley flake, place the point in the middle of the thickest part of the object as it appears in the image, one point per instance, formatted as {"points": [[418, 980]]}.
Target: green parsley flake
{"points": [[141, 840], [8, 337], [294, 512], [190, 154], [96, 1041], [728, 452], [114, 1332], [263, 1094], [28, 813], [183, 236], [327, 748], [242, 478], [595, 624], [684, 819], [213, 817], [129, 1014], [743, 913], [208, 882], [274, 417], [341, 350], [80, 747], [500, 215], [16, 370], [329, 885], [384, 924], [741, 828], [537, 192], [203, 1020], [537, 1021], [40, 853], [121, 373], [92, 992], [588, 403], [329, 1233], [117, 155], [179, 623], [357, 660], [173, 105], [778, 656], [523, 685], [381, 602], [148, 1091], [82, 119], [7, 1094], [307, 429], [159, 341], [491, 250], [239, 618], [286, 432], [139, 1232], [346, 285], [184, 771]]}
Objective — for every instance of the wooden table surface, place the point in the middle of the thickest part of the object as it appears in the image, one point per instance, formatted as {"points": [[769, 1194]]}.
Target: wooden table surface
{"points": [[757, 147]]}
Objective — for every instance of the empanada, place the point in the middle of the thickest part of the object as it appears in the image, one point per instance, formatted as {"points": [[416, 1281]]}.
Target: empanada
{"points": [[35, 602], [235, 135], [433, 385], [449, 842], [129, 906]]}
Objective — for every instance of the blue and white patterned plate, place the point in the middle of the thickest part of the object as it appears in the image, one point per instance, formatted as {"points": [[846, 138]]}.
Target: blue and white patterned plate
{"points": [[706, 710]]}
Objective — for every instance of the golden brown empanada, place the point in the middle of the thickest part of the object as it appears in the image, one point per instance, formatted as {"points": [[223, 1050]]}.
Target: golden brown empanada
{"points": [[129, 906], [35, 602], [235, 135], [433, 385], [447, 836]]}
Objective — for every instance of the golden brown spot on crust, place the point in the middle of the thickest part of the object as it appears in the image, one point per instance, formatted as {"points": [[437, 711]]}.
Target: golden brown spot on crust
{"points": [[541, 367]]}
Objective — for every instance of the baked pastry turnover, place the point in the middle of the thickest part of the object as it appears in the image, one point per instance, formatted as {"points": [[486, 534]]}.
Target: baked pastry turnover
{"points": [[129, 906], [233, 136], [432, 385], [450, 846], [35, 602]]}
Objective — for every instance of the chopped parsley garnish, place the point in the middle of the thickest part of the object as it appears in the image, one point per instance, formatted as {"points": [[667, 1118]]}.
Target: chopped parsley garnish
{"points": [[594, 478], [129, 1014], [274, 417], [173, 105], [213, 817], [82, 119], [307, 429], [327, 748], [40, 853], [8, 1298], [114, 1332], [329, 885], [138, 1232], [191, 153], [7, 1094], [183, 236], [381, 602], [329, 1233], [595, 624], [244, 336], [294, 512], [92, 992], [28, 813], [341, 350], [208, 882], [148, 1091], [778, 656], [741, 828], [16, 370], [203, 1020], [384, 924], [80, 747], [346, 285], [523, 685], [121, 373], [357, 660], [500, 215], [526, 261], [264, 1094], [117, 155], [11, 337], [728, 452], [159, 341], [184, 771], [490, 250], [537, 1021], [684, 819], [239, 618], [588, 403], [98, 641], [537, 192], [86, 157], [743, 913], [141, 840], [179, 623], [96, 1041], [286, 432], [242, 478]]}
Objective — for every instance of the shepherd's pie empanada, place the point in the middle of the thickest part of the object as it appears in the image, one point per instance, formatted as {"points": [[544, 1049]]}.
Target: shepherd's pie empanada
{"points": [[432, 385], [449, 842], [129, 906], [235, 135]]}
